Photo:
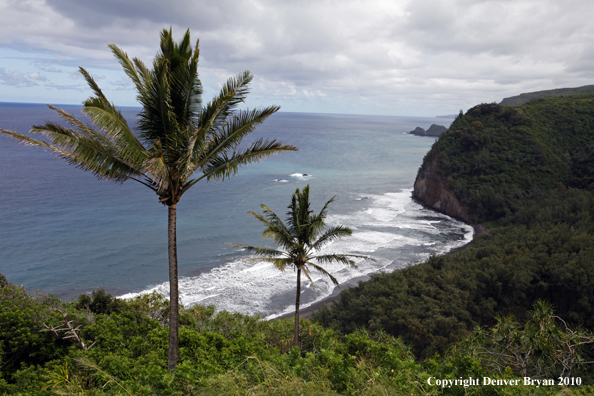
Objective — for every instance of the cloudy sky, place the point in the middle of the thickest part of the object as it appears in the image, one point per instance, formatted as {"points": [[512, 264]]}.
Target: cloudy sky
{"points": [[417, 58]]}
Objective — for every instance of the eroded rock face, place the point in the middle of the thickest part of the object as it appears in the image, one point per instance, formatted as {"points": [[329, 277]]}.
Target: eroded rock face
{"points": [[433, 191], [434, 131]]}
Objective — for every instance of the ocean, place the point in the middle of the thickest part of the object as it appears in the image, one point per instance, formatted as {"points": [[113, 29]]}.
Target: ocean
{"points": [[64, 232]]}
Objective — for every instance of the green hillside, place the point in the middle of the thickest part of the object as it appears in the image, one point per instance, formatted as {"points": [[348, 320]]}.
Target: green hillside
{"points": [[544, 251], [492, 157], [104, 346], [526, 97]]}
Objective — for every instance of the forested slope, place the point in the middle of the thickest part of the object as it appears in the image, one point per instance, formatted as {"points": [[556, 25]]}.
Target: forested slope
{"points": [[492, 157], [525, 172], [539, 254]]}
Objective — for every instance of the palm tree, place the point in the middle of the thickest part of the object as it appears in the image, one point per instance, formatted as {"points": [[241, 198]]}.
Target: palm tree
{"points": [[177, 137], [299, 240]]}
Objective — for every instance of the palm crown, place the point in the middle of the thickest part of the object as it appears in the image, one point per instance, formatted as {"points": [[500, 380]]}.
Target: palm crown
{"points": [[300, 240], [177, 136]]}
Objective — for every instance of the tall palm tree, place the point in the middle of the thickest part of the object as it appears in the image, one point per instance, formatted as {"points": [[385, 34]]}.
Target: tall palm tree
{"points": [[179, 141], [300, 240]]}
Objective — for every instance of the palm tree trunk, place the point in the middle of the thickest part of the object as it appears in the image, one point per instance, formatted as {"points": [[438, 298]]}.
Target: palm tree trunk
{"points": [[173, 288], [297, 307]]}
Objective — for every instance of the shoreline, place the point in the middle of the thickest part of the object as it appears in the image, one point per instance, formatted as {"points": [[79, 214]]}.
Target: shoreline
{"points": [[306, 313]]}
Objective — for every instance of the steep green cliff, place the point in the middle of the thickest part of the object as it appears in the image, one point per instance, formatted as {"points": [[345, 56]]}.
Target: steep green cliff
{"points": [[492, 157]]}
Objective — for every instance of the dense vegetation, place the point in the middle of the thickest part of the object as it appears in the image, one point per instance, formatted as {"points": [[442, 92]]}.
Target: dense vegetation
{"points": [[219, 353], [544, 251], [120, 348], [494, 157]]}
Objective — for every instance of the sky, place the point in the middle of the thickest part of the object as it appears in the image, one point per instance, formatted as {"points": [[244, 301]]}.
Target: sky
{"points": [[401, 58]]}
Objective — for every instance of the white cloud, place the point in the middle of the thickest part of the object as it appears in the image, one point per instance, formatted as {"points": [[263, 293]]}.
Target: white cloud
{"points": [[418, 57]]}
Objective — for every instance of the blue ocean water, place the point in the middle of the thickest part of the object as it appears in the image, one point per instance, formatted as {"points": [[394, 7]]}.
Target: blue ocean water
{"points": [[64, 232]]}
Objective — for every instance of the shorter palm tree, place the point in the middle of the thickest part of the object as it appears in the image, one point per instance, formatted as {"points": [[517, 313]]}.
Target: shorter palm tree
{"points": [[299, 240]]}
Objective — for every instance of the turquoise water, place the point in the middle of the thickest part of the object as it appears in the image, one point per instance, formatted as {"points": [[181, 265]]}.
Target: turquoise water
{"points": [[66, 233]]}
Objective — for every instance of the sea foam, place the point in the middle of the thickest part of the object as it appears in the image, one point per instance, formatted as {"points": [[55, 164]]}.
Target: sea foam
{"points": [[391, 229]]}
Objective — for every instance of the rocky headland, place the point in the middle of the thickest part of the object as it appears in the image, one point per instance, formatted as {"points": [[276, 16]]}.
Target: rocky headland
{"points": [[433, 191], [434, 130]]}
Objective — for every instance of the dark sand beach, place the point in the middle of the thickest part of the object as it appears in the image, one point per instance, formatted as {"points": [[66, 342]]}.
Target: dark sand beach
{"points": [[305, 313]]}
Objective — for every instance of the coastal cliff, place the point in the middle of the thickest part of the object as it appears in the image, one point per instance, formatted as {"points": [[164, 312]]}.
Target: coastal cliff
{"points": [[493, 157], [433, 191]]}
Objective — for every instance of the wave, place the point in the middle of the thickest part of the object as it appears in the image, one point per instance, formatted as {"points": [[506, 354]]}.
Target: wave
{"points": [[301, 176], [391, 228]]}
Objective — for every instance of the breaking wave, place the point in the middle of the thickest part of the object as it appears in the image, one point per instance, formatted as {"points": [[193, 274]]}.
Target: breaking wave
{"points": [[390, 228]]}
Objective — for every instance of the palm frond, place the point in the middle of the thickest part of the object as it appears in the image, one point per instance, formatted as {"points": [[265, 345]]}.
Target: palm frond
{"points": [[176, 148], [275, 229], [128, 67], [282, 263], [109, 119], [91, 83], [260, 217], [330, 235], [293, 213], [230, 134], [82, 151], [317, 223], [236, 88], [271, 216], [157, 119], [29, 141], [215, 113], [186, 87], [76, 123], [144, 75], [298, 214], [280, 236], [303, 268], [225, 166], [260, 251], [323, 272], [111, 148], [156, 171], [339, 258]]}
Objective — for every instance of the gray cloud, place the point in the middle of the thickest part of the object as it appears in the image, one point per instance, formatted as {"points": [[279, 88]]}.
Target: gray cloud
{"points": [[208, 15], [123, 84], [390, 57], [46, 65], [64, 87], [17, 79]]}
